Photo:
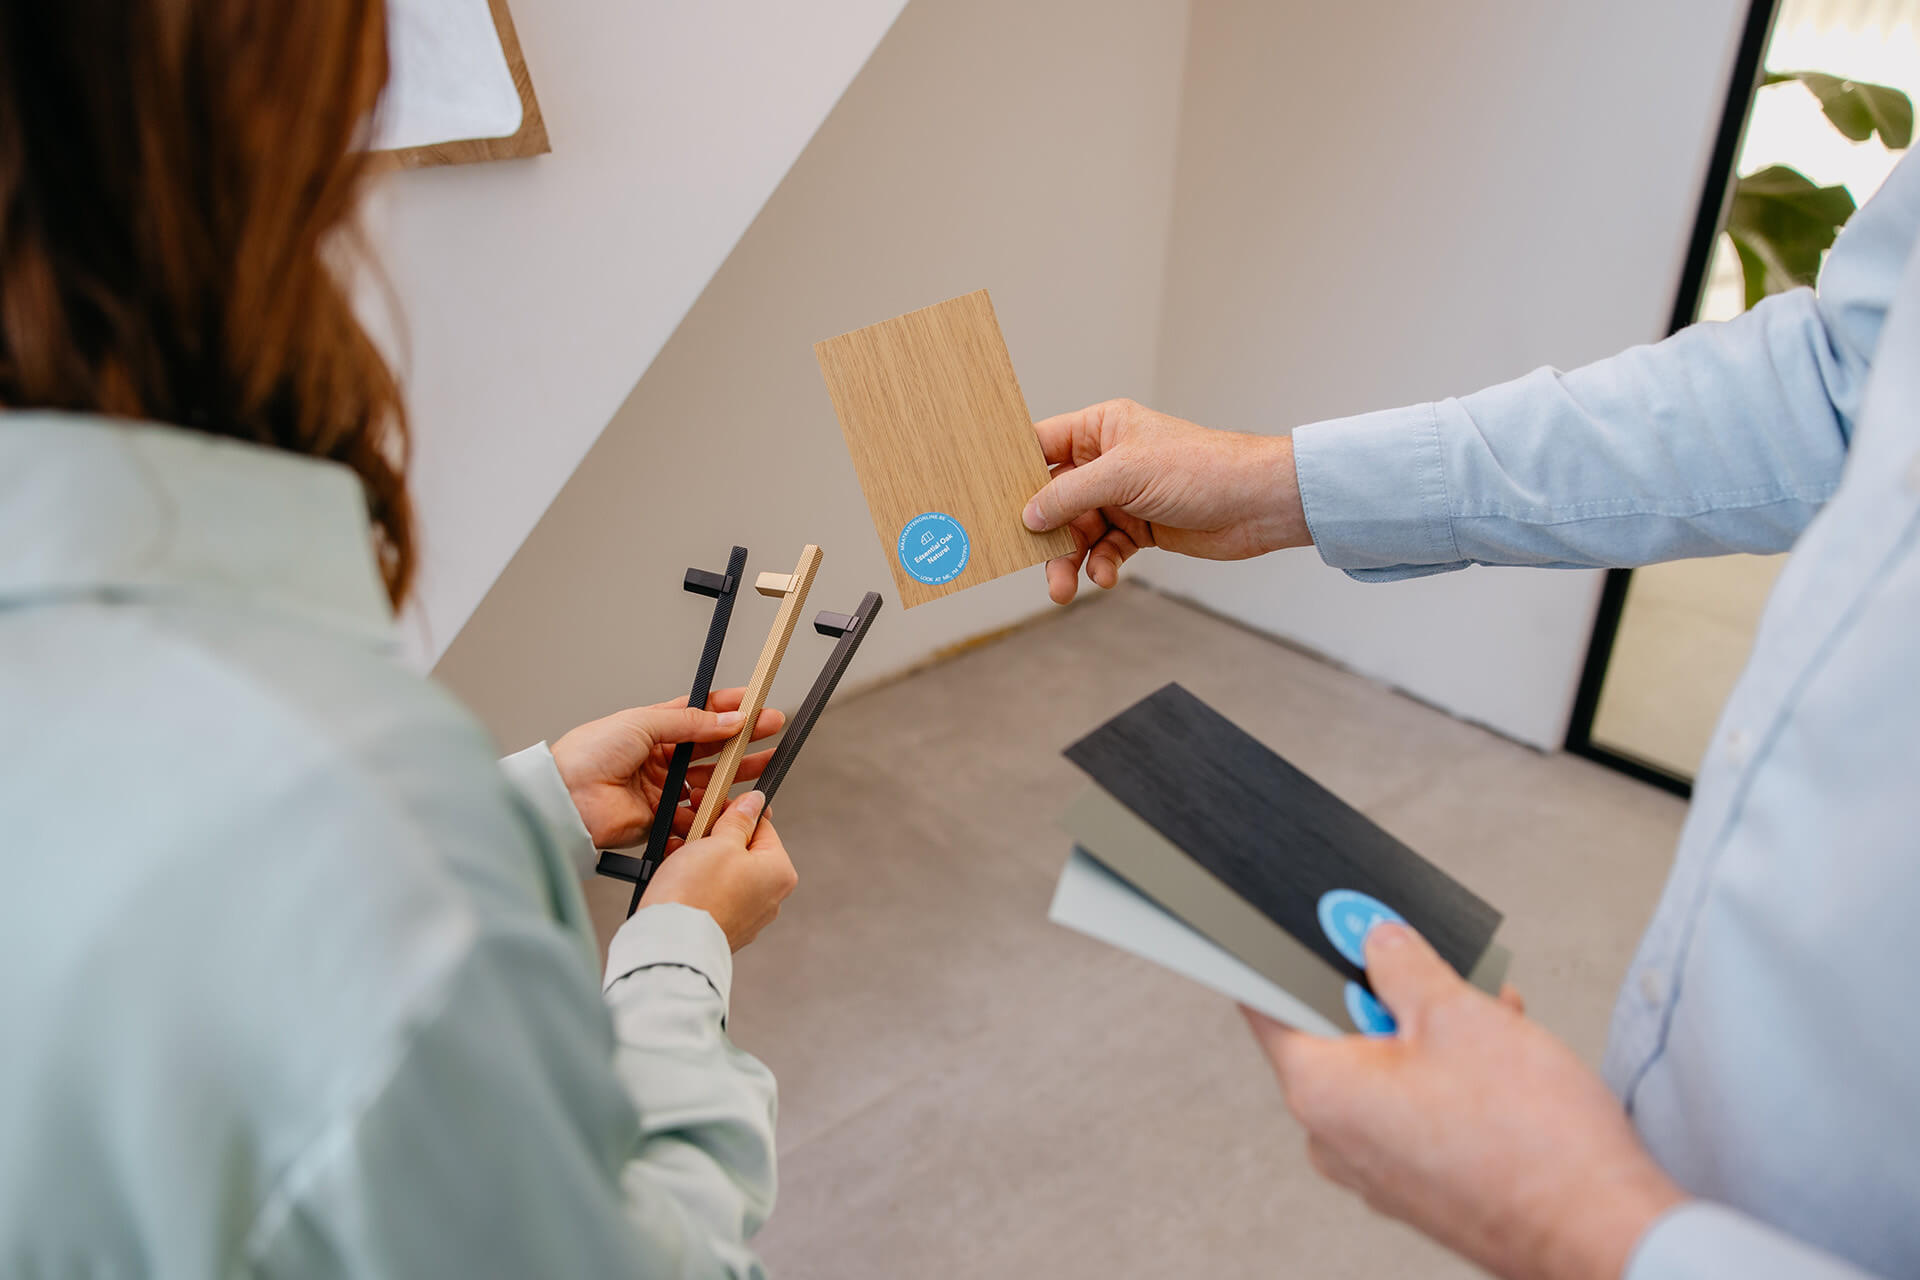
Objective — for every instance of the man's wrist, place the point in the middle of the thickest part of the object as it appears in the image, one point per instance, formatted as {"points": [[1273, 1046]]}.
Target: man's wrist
{"points": [[1596, 1231], [1283, 521]]}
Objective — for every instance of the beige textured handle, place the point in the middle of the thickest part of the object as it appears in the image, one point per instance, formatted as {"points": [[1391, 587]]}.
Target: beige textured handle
{"points": [[793, 593]]}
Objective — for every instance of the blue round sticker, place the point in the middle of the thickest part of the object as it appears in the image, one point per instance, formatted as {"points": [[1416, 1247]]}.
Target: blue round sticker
{"points": [[933, 548], [1345, 917], [1368, 1014]]}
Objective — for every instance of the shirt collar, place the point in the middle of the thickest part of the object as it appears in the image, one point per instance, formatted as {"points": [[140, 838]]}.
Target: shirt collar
{"points": [[93, 506]]}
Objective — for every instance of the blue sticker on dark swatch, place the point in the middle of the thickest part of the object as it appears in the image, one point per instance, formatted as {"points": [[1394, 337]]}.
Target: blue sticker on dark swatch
{"points": [[1345, 917], [1367, 1012], [933, 548]]}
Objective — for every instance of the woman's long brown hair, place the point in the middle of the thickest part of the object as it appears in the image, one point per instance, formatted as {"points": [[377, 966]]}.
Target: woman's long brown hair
{"points": [[173, 177]]}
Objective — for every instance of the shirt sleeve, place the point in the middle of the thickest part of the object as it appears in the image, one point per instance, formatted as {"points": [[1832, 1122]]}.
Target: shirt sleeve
{"points": [[517, 1131], [1700, 1241], [536, 777], [1725, 437]]}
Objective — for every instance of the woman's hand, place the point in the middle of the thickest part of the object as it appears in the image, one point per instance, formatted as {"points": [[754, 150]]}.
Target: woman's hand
{"points": [[1472, 1124], [614, 767], [1125, 477], [738, 875]]}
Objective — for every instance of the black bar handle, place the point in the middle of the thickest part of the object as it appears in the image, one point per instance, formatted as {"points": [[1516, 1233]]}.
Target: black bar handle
{"points": [[852, 629], [723, 589]]}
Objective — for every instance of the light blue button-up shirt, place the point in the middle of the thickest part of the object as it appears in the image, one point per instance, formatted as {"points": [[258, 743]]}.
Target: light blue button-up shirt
{"points": [[1767, 1041], [295, 980]]}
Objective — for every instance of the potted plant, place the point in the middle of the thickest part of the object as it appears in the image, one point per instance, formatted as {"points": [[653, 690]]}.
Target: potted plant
{"points": [[1780, 221]]}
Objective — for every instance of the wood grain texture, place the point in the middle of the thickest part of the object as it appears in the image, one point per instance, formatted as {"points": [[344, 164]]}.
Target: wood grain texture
{"points": [[529, 140], [935, 421], [755, 696], [1268, 831]]}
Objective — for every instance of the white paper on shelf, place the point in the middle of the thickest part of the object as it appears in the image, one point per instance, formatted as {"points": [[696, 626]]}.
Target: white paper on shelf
{"points": [[1092, 900], [448, 76]]}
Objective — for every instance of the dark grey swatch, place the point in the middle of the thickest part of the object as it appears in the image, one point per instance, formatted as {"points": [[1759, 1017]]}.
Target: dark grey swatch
{"points": [[1269, 832]]}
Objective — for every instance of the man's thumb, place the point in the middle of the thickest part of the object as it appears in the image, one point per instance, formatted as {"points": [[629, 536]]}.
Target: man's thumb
{"points": [[1073, 492], [741, 817], [1406, 972]]}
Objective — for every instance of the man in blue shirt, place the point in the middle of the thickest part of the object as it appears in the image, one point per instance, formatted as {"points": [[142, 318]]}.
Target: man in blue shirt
{"points": [[1760, 1111]]}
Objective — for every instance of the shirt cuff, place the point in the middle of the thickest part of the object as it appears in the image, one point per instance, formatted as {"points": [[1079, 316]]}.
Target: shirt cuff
{"points": [[537, 778], [1374, 489], [1701, 1241], [676, 934]]}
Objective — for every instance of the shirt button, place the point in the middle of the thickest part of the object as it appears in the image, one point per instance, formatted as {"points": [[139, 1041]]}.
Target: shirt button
{"points": [[1739, 745], [1652, 986]]}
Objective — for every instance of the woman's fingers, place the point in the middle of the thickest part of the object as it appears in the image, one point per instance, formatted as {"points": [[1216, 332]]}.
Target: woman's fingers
{"points": [[701, 776], [725, 699], [721, 700], [753, 766], [750, 767], [771, 721], [657, 726]]}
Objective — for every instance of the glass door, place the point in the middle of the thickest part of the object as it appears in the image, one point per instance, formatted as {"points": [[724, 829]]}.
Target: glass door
{"points": [[1672, 638]]}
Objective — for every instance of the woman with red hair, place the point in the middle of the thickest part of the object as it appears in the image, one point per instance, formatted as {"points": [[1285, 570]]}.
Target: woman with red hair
{"points": [[298, 980]]}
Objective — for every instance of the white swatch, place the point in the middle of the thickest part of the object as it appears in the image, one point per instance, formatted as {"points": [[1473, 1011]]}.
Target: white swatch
{"points": [[1092, 900]]}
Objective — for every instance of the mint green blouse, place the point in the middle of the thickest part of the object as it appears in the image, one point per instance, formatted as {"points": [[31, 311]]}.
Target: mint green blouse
{"points": [[295, 978]]}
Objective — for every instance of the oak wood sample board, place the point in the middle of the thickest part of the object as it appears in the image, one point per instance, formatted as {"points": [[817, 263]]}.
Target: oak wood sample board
{"points": [[943, 446], [1269, 833]]}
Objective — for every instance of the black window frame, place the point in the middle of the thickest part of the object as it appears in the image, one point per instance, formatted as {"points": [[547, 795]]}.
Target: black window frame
{"points": [[1716, 194]]}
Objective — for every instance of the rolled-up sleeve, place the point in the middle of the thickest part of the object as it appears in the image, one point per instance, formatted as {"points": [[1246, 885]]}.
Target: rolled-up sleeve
{"points": [[1725, 437], [1375, 493], [707, 1109], [1701, 1241]]}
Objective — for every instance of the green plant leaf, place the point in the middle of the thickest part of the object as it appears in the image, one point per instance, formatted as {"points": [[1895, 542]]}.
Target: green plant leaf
{"points": [[1753, 270], [1781, 225], [1857, 110]]}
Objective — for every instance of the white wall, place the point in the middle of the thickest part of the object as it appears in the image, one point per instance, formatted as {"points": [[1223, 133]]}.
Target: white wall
{"points": [[1384, 201], [536, 292], [1372, 203], [1025, 147]]}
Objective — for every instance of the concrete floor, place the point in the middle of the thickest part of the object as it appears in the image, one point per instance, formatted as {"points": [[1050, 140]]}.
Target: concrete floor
{"points": [[969, 1091]]}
